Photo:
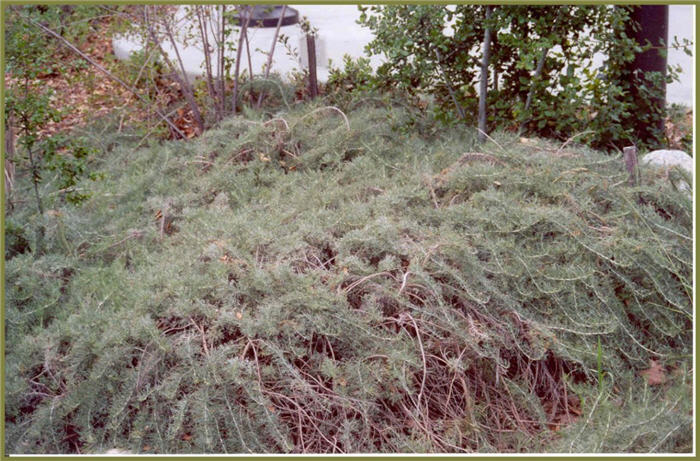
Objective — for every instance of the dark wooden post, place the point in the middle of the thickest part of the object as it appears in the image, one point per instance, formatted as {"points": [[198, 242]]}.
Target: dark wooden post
{"points": [[630, 154], [311, 49]]}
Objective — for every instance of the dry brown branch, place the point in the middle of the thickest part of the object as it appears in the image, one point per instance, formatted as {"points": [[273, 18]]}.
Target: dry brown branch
{"points": [[181, 77], [204, 337], [566, 143], [491, 139], [350, 287], [135, 233], [403, 283], [278, 119], [162, 220], [106, 72], [239, 51], [272, 50], [345, 117], [208, 74], [422, 352]]}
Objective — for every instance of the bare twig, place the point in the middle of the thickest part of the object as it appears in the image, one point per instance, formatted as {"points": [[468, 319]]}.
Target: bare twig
{"points": [[272, 51], [9, 159], [450, 88], [209, 76], [239, 50], [403, 283], [153, 128], [485, 135], [350, 287], [204, 337], [278, 119], [422, 352], [577, 135], [134, 233], [182, 79], [537, 75], [345, 117], [250, 56], [221, 56], [143, 67], [162, 220], [531, 91]]}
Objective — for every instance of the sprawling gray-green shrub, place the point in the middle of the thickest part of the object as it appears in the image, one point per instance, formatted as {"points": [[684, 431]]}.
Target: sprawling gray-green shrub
{"points": [[307, 285]]}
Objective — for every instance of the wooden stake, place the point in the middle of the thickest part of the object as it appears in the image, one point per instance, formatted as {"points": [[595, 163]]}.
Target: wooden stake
{"points": [[311, 49], [630, 156]]}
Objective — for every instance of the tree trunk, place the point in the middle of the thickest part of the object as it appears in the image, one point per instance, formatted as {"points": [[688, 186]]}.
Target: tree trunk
{"points": [[272, 50], [450, 88], [483, 89], [221, 49], [531, 91], [183, 80], [239, 50], [648, 24], [204, 35], [9, 160]]}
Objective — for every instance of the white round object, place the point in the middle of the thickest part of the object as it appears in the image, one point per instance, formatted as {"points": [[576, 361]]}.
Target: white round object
{"points": [[669, 158]]}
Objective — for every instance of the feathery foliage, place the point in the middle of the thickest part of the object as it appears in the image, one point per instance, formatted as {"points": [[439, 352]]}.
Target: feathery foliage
{"points": [[320, 284]]}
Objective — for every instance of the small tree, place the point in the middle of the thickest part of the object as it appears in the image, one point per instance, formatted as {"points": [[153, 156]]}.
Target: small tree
{"points": [[218, 31], [542, 79], [30, 107], [28, 102]]}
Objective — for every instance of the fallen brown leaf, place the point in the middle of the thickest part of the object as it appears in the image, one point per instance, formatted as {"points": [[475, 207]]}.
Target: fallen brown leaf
{"points": [[655, 374], [563, 420]]}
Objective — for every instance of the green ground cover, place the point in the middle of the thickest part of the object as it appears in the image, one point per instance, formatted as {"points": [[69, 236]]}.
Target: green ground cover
{"points": [[316, 284]]}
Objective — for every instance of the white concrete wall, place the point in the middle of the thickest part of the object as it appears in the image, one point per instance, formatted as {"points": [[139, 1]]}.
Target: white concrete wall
{"points": [[681, 24]]}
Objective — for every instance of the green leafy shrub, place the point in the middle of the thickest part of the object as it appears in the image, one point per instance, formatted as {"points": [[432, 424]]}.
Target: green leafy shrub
{"points": [[542, 78], [30, 106], [346, 83], [69, 157], [15, 239], [679, 128], [352, 288]]}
